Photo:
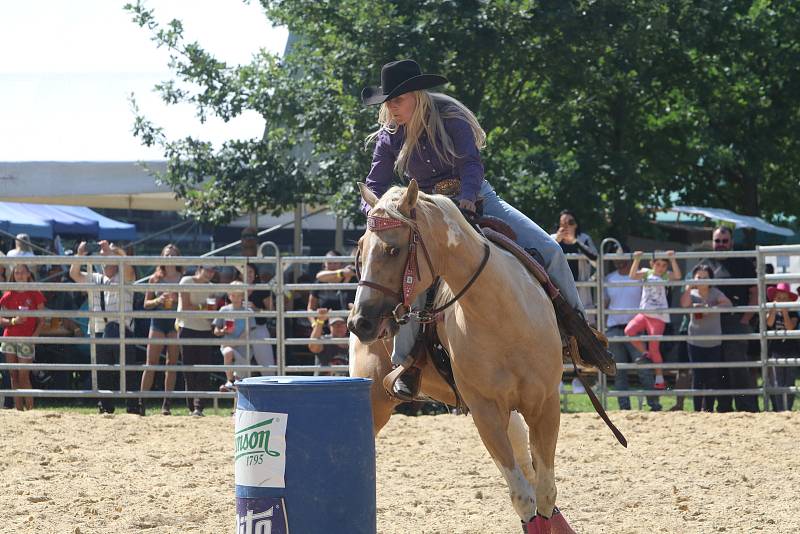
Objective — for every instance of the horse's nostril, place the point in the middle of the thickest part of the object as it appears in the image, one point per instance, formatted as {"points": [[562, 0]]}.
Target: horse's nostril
{"points": [[363, 324]]}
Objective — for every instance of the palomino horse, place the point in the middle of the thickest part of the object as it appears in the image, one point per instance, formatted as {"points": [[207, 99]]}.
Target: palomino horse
{"points": [[501, 334]]}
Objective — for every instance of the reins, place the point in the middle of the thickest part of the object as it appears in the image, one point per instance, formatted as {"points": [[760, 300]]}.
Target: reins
{"points": [[411, 273]]}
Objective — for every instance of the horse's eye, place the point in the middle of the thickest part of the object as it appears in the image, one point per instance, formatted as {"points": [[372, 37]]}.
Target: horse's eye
{"points": [[393, 251]]}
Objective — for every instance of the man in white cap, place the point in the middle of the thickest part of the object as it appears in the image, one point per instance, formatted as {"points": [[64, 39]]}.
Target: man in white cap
{"points": [[329, 354]]}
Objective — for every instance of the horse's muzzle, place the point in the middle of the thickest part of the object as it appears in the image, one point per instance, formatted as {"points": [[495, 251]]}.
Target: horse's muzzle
{"points": [[368, 327]]}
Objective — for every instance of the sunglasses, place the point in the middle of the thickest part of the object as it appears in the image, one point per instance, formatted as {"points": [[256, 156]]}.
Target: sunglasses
{"points": [[722, 241]]}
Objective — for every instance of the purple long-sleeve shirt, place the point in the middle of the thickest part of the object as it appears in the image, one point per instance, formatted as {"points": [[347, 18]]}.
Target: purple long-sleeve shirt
{"points": [[424, 165]]}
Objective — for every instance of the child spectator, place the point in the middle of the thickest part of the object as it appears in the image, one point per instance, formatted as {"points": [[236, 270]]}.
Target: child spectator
{"points": [[704, 324], [260, 300], [782, 319], [21, 352], [233, 329], [654, 297], [327, 355], [624, 298]]}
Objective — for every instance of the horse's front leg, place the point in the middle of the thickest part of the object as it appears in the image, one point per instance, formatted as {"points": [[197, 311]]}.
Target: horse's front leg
{"points": [[493, 426], [374, 362], [543, 437], [519, 436]]}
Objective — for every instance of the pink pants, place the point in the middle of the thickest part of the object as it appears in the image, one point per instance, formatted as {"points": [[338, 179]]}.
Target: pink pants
{"points": [[654, 327]]}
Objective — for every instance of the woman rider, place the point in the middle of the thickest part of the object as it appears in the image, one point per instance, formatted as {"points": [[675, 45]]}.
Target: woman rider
{"points": [[435, 139]]}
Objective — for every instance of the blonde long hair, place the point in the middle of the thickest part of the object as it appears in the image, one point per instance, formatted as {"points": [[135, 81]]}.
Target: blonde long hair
{"points": [[430, 112]]}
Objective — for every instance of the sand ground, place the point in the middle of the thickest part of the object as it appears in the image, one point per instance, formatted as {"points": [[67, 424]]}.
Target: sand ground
{"points": [[682, 473]]}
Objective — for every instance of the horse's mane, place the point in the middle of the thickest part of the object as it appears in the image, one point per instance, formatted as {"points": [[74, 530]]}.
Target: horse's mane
{"points": [[388, 203], [426, 204]]}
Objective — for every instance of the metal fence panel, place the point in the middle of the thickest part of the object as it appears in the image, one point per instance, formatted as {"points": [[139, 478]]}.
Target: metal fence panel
{"points": [[280, 341]]}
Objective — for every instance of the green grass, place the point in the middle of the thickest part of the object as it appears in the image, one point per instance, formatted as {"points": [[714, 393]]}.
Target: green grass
{"points": [[578, 403], [572, 403]]}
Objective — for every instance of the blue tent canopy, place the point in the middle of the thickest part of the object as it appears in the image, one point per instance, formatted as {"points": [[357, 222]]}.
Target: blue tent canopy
{"points": [[19, 221], [110, 229], [46, 221]]}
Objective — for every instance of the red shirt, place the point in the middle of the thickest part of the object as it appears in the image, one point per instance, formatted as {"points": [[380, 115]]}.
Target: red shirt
{"points": [[12, 300]]}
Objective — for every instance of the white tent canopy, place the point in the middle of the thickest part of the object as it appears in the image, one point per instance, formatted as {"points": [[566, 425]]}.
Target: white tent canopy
{"points": [[95, 184], [741, 221], [316, 218]]}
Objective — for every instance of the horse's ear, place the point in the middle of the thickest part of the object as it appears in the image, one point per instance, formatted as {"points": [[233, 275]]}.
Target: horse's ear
{"points": [[368, 196], [409, 198]]}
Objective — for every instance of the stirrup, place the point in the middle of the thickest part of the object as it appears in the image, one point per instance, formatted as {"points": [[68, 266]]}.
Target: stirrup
{"points": [[411, 378], [601, 337]]}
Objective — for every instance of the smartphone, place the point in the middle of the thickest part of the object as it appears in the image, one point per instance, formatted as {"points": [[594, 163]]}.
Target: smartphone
{"points": [[92, 247]]}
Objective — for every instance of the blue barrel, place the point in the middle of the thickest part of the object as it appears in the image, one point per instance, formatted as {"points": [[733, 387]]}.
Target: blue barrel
{"points": [[305, 456]]}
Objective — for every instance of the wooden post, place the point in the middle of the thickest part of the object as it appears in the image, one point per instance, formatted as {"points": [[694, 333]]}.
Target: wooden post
{"points": [[339, 236], [298, 239]]}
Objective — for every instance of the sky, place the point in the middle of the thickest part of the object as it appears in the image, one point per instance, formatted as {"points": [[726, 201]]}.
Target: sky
{"points": [[68, 68]]}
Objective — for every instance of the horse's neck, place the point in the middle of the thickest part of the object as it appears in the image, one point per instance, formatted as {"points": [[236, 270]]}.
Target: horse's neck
{"points": [[458, 255]]}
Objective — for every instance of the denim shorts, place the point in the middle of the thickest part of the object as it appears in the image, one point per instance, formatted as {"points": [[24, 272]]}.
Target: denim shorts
{"points": [[165, 326]]}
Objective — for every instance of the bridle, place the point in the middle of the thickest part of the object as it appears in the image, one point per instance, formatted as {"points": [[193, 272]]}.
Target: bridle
{"points": [[411, 274]]}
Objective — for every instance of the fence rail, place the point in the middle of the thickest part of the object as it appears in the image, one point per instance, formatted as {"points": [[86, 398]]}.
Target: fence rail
{"points": [[280, 341]]}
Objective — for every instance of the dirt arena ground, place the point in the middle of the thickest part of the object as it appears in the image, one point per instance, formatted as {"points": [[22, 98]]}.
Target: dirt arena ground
{"points": [[683, 473]]}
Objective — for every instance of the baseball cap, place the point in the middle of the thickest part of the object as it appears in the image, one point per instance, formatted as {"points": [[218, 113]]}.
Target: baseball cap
{"points": [[336, 320]]}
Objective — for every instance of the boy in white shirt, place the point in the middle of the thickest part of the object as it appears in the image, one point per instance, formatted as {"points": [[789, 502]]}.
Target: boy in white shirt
{"points": [[233, 329]]}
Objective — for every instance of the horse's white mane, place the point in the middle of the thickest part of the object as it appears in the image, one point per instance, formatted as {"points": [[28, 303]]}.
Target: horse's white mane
{"points": [[390, 200], [451, 211]]}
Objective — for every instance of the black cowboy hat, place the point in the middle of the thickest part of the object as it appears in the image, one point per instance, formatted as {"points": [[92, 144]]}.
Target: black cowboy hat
{"points": [[397, 78]]}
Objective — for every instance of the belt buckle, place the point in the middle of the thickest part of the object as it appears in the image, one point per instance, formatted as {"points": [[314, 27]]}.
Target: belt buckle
{"points": [[449, 187]]}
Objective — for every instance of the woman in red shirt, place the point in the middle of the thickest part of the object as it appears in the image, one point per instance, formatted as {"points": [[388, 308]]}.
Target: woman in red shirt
{"points": [[16, 351]]}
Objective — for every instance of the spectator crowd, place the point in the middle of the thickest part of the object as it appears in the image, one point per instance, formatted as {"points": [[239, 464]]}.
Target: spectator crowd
{"points": [[235, 329], [234, 333]]}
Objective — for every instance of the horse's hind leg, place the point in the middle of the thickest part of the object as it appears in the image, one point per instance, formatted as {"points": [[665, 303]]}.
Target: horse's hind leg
{"points": [[519, 436], [543, 438], [493, 425]]}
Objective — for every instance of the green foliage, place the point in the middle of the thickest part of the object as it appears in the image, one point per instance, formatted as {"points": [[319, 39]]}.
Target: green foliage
{"points": [[602, 107]]}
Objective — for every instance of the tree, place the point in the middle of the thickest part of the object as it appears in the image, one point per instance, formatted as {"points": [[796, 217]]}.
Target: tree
{"points": [[604, 107]]}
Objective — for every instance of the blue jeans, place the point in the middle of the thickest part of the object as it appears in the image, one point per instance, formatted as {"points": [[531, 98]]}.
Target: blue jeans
{"points": [[529, 235], [782, 377], [705, 378], [736, 377], [626, 353], [6, 384]]}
